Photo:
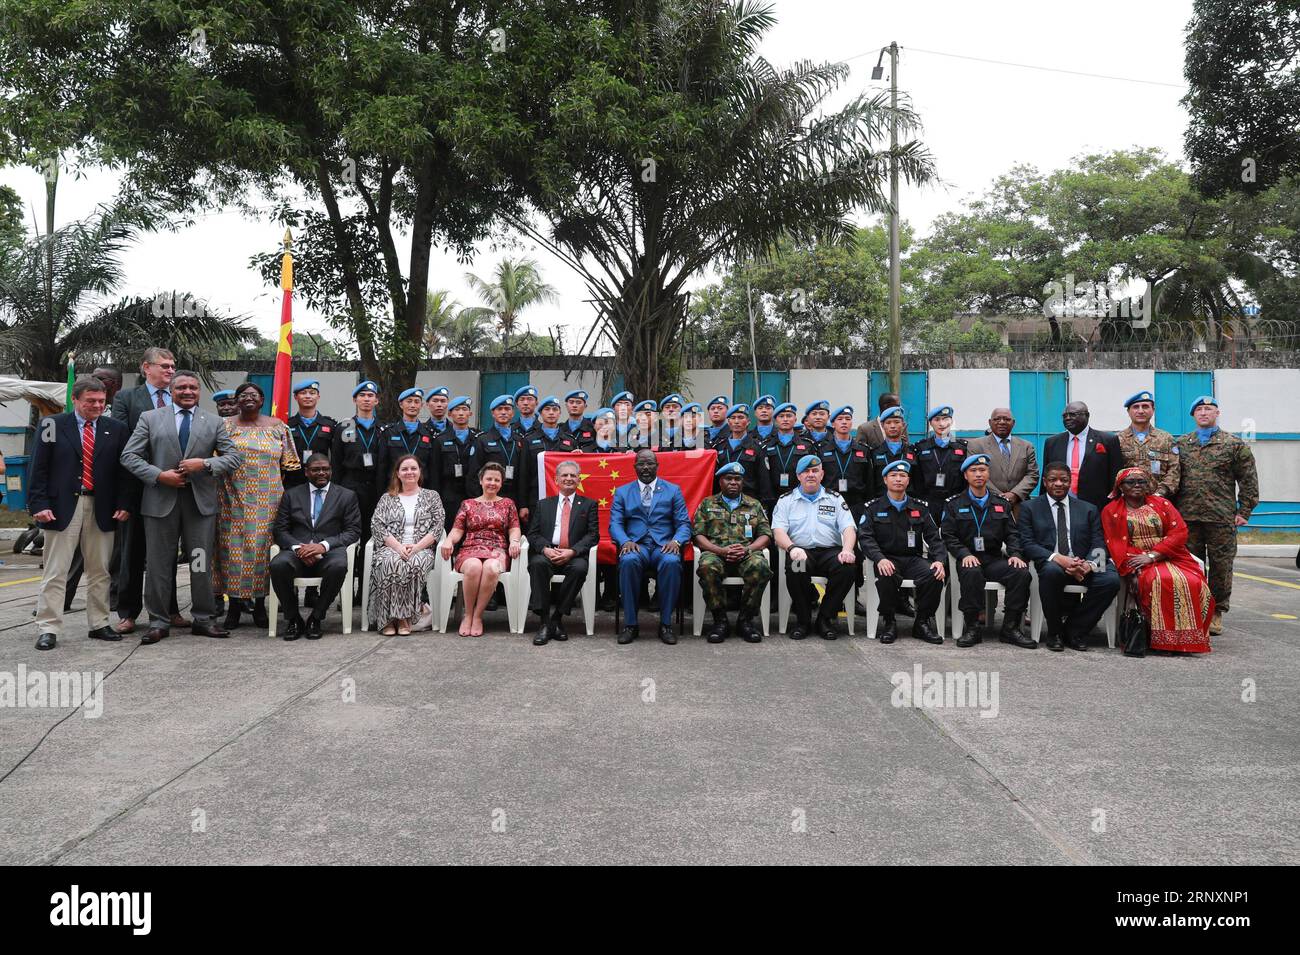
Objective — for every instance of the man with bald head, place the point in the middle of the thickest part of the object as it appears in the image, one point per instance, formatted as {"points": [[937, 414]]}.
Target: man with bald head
{"points": [[1013, 465], [1094, 457]]}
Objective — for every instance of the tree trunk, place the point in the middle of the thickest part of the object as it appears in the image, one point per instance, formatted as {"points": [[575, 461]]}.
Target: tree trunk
{"points": [[648, 322]]}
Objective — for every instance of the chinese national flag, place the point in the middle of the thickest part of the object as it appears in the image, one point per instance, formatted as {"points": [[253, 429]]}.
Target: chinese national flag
{"points": [[600, 474], [284, 356]]}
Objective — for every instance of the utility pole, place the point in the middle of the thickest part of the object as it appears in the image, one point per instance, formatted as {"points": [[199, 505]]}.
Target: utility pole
{"points": [[895, 324]]}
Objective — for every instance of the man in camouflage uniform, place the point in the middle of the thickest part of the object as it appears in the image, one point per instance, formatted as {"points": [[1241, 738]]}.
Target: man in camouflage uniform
{"points": [[1219, 488], [1148, 448], [732, 532]]}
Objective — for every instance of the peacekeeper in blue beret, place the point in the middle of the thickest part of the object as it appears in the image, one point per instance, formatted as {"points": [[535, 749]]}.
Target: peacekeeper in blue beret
{"points": [[670, 421], [526, 419], [407, 436], [1145, 446], [716, 409], [732, 533], [227, 407], [764, 413], [816, 418], [644, 432], [893, 423], [623, 421], [436, 399], [977, 525], [503, 443], [814, 527], [692, 436], [784, 449], [313, 432], [737, 445], [894, 530], [354, 452], [578, 425], [549, 435], [455, 446], [936, 473], [847, 462]]}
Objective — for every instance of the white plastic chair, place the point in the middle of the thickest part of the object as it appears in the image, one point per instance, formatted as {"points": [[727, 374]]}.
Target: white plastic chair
{"points": [[516, 595], [783, 597], [430, 583], [991, 589], [1036, 607], [345, 592], [765, 606], [587, 594], [873, 600]]}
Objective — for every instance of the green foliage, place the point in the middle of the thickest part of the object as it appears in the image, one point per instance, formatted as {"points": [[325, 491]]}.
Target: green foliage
{"points": [[948, 336], [513, 288]]}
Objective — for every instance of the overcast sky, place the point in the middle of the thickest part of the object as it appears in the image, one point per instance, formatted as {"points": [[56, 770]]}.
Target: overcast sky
{"points": [[980, 119]]}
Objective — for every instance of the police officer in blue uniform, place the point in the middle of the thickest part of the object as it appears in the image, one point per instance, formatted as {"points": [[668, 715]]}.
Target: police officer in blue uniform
{"points": [[936, 475], [846, 461], [501, 442], [670, 422], [549, 434], [407, 436], [717, 412], [764, 412], [526, 418], [894, 448], [455, 445], [643, 433], [783, 450], [437, 400], [738, 446], [313, 432], [815, 418], [354, 454], [578, 425]]}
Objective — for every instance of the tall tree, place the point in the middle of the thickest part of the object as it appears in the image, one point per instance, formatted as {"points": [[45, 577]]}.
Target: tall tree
{"points": [[513, 288]]}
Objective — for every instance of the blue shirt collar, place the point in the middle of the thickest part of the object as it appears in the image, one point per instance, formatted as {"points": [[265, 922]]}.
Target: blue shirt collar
{"points": [[364, 422], [1205, 434], [981, 501], [894, 446], [550, 432], [811, 497], [460, 435], [940, 442], [734, 442], [785, 438], [843, 445], [504, 431], [307, 421], [897, 505], [527, 423], [731, 502], [410, 425], [817, 435]]}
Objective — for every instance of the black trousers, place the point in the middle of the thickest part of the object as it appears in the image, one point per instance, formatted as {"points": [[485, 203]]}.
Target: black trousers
{"points": [[540, 572], [1052, 581], [822, 562], [130, 573], [997, 570], [916, 569], [331, 568]]}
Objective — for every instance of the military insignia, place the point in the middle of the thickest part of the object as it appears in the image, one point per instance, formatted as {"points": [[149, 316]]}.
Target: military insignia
{"points": [[998, 508]]}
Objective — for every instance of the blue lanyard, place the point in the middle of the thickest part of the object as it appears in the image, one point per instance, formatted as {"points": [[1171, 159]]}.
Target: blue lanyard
{"points": [[365, 433], [785, 461], [402, 432], [979, 519], [306, 441], [941, 460], [844, 464], [510, 458]]}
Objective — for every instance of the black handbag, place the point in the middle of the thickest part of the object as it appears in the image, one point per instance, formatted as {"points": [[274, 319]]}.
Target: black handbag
{"points": [[1134, 631]]}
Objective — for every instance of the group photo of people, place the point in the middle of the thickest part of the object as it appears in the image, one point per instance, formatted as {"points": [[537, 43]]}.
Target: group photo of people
{"points": [[837, 510]]}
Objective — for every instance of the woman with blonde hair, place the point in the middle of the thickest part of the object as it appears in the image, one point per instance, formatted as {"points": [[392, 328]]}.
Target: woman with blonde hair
{"points": [[406, 525]]}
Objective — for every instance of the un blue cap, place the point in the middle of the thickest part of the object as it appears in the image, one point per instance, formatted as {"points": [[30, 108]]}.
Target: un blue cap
{"points": [[622, 396], [309, 383], [365, 386], [820, 405], [417, 392], [647, 404], [718, 400], [458, 401], [1204, 400], [222, 395], [941, 410], [785, 406], [692, 408], [765, 400], [528, 390], [439, 390], [732, 468], [673, 397], [843, 409], [1140, 396], [805, 462], [500, 400], [603, 413], [975, 459], [894, 412], [740, 408], [896, 466], [576, 393], [548, 400]]}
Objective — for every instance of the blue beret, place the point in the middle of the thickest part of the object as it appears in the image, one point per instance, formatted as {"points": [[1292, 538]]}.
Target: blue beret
{"points": [[673, 397], [622, 396], [894, 412], [440, 390], [576, 393], [365, 386], [692, 408], [500, 400], [1204, 400], [718, 400], [548, 400], [822, 405], [896, 466], [786, 406], [417, 392], [765, 400], [528, 390], [842, 410], [604, 413], [1140, 396], [309, 383], [975, 459], [733, 468], [458, 401], [805, 462], [740, 408], [647, 404], [941, 410], [222, 395]]}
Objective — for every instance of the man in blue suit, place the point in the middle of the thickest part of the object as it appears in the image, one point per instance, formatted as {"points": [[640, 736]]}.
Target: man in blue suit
{"points": [[649, 524], [1062, 536]]}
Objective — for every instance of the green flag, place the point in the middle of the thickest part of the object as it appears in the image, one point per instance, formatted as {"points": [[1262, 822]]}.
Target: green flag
{"points": [[72, 376]]}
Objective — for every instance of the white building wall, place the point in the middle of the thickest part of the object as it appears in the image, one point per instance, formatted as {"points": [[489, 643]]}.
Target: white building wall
{"points": [[1103, 390], [701, 385], [839, 386], [1279, 476], [1264, 397], [973, 394], [457, 382]]}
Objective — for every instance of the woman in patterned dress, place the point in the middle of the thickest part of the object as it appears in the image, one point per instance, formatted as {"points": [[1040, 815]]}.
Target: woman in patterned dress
{"points": [[247, 498], [489, 525], [1147, 539], [408, 521]]}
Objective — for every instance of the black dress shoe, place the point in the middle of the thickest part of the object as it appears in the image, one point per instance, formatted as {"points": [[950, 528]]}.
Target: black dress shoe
{"points": [[292, 629], [970, 634], [666, 633], [558, 632], [153, 635], [1054, 642], [104, 633], [209, 630], [1076, 643], [1013, 634], [826, 628], [888, 631], [750, 630], [628, 635], [259, 613], [543, 636], [799, 631], [717, 631], [232, 615], [313, 628], [924, 630], [46, 641]]}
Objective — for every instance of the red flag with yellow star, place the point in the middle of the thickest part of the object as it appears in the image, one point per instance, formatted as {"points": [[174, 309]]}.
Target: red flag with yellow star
{"points": [[284, 357], [600, 474]]}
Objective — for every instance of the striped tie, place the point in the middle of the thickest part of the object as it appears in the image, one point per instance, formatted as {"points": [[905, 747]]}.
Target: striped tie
{"points": [[87, 456]]}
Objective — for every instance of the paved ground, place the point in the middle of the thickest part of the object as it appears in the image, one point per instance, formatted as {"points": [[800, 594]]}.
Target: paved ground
{"points": [[491, 750]]}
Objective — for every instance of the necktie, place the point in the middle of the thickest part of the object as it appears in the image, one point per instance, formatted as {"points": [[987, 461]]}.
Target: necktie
{"points": [[318, 499], [1074, 466], [564, 523], [87, 456], [161, 395], [1062, 536], [645, 497], [185, 429], [1006, 449]]}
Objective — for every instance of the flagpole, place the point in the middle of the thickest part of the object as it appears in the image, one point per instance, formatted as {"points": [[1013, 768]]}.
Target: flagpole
{"points": [[284, 356]]}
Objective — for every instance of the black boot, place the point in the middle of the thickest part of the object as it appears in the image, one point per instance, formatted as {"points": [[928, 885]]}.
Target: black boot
{"points": [[718, 630], [259, 614], [970, 634], [232, 614], [1011, 633], [749, 630], [888, 631]]}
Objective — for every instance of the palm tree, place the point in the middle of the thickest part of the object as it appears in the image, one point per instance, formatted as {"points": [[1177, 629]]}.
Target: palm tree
{"points": [[515, 286], [450, 329]]}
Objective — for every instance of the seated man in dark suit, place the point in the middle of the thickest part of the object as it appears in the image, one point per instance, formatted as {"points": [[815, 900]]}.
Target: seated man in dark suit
{"points": [[1062, 536], [314, 525], [561, 533], [649, 523]]}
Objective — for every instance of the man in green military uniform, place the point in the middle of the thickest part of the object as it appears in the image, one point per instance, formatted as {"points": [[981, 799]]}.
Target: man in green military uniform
{"points": [[1147, 447], [732, 532], [1218, 490]]}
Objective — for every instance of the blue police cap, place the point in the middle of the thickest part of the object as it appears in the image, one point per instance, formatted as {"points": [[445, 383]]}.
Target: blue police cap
{"points": [[805, 462], [604, 413], [222, 395], [409, 392], [1204, 400], [785, 406], [500, 400], [622, 396], [1140, 396], [975, 459], [647, 404], [896, 466], [439, 390], [692, 408], [719, 400], [941, 410], [732, 468], [528, 390], [894, 412], [458, 401], [674, 397], [576, 393], [548, 400], [844, 409], [820, 405], [740, 408], [309, 383], [369, 386], [765, 400]]}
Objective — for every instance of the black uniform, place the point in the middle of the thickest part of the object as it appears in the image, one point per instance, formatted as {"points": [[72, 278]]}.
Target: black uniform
{"points": [[512, 454], [352, 446], [749, 455], [936, 472], [451, 478], [849, 472], [583, 434], [781, 460], [967, 525], [438, 427], [538, 441], [886, 531], [316, 439], [880, 456], [395, 440]]}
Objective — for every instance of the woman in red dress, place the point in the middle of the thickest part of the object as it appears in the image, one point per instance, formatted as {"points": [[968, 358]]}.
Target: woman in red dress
{"points": [[489, 525], [1147, 539]]}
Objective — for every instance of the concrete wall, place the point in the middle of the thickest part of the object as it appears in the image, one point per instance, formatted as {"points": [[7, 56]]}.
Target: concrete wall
{"points": [[839, 386], [457, 382], [1263, 398], [973, 394], [1104, 391], [1279, 477], [703, 384]]}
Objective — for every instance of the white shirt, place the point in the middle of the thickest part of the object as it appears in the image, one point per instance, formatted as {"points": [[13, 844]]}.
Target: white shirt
{"points": [[559, 510], [311, 504], [408, 522], [1052, 502]]}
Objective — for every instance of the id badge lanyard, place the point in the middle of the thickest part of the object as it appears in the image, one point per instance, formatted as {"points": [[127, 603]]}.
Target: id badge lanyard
{"points": [[844, 467], [979, 519], [510, 458], [367, 459], [784, 462], [306, 441], [941, 477]]}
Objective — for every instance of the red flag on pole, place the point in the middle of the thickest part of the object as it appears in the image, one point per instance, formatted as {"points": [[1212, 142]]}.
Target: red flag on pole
{"points": [[284, 356], [600, 474]]}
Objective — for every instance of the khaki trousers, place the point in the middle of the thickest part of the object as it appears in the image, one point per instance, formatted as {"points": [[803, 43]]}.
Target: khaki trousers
{"points": [[60, 546]]}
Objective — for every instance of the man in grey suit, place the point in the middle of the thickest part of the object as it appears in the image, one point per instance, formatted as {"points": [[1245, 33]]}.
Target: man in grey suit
{"points": [[870, 432], [171, 453], [1013, 465]]}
